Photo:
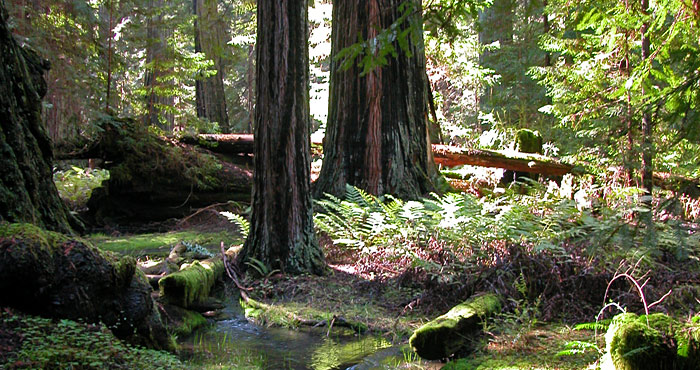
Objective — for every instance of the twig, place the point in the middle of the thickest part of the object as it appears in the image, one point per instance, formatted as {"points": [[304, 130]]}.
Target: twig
{"points": [[207, 208], [233, 276]]}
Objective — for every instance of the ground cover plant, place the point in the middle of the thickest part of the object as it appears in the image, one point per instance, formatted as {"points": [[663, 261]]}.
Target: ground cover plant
{"points": [[30, 342]]}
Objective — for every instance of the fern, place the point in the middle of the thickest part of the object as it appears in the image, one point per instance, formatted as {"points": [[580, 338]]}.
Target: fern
{"points": [[578, 347], [238, 220], [601, 325]]}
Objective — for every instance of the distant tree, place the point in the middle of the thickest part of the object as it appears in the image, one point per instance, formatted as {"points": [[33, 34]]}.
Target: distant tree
{"points": [[282, 231], [377, 131], [210, 38], [27, 191], [157, 87]]}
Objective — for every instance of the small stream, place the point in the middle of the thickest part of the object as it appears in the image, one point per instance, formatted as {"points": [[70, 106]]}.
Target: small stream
{"points": [[236, 343]]}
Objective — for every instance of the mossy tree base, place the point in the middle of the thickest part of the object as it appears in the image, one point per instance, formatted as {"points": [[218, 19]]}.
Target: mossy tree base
{"points": [[27, 191], [49, 274], [454, 331]]}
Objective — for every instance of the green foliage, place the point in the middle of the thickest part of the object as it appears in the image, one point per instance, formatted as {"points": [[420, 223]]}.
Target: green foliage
{"points": [[471, 229], [600, 85], [45, 344], [75, 184], [241, 222], [261, 268]]}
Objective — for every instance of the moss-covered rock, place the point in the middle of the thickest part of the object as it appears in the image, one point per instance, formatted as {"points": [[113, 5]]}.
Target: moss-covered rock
{"points": [[181, 321], [655, 341], [49, 274], [456, 330], [528, 141], [192, 283]]}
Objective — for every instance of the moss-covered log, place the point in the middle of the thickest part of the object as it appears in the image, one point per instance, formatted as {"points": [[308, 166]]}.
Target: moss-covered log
{"points": [[456, 330], [653, 342], [192, 283], [154, 178], [49, 274], [27, 191]]}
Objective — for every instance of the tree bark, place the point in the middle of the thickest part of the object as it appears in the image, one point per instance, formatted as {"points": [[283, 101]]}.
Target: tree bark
{"points": [[27, 190], [282, 233], [497, 24], [377, 131], [156, 57], [647, 144], [210, 39]]}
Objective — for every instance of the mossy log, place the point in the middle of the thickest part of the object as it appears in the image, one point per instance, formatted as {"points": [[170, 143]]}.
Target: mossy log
{"points": [[456, 330], [153, 178], [192, 283], [653, 342], [49, 274]]}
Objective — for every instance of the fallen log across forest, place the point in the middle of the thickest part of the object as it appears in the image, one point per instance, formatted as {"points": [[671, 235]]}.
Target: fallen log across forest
{"points": [[445, 155], [451, 156]]}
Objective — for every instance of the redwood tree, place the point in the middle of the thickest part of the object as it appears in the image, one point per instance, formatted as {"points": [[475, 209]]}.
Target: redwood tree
{"points": [[282, 233], [377, 130], [210, 39], [27, 191]]}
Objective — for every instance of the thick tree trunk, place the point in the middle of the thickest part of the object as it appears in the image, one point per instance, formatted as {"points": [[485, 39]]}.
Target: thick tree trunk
{"points": [[282, 232], [377, 131], [27, 191], [210, 39]]}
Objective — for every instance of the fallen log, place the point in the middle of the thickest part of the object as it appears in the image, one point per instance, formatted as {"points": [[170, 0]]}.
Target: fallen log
{"points": [[445, 155], [223, 143], [192, 284], [451, 156], [456, 330]]}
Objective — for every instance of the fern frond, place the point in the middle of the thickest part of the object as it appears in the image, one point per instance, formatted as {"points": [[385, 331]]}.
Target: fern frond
{"points": [[238, 220], [601, 325]]}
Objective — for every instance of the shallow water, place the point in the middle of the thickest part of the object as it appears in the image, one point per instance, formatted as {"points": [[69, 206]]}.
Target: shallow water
{"points": [[235, 343]]}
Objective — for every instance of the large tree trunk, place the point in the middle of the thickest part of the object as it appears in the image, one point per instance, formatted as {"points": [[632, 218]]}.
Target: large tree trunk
{"points": [[282, 230], [27, 191], [210, 39], [377, 131]]}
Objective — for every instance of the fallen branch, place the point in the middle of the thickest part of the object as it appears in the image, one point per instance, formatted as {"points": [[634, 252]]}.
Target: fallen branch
{"points": [[231, 272]]}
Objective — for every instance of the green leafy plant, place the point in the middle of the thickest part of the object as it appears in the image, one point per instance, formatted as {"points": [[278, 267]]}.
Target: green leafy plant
{"points": [[75, 185], [238, 220], [261, 268]]}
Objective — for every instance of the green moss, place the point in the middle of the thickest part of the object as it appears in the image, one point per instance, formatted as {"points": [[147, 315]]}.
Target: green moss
{"points": [[449, 333], [192, 283], [43, 238], [528, 141], [160, 243], [651, 342], [189, 321]]}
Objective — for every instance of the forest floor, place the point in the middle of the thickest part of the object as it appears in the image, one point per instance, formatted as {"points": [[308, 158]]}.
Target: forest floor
{"points": [[385, 305]]}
